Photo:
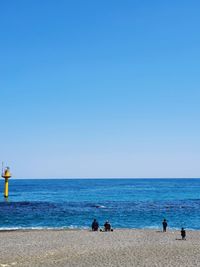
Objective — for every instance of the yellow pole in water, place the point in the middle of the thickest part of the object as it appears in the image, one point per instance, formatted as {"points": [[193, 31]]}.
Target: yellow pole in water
{"points": [[6, 188], [6, 175]]}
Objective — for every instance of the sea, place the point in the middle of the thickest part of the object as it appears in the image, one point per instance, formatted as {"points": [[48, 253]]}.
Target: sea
{"points": [[74, 203]]}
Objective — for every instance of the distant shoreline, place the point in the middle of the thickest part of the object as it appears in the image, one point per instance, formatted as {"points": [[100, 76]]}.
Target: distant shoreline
{"points": [[157, 230]]}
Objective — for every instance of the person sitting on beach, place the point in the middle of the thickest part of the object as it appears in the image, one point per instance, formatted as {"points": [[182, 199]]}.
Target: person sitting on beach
{"points": [[95, 225], [164, 223], [183, 234], [107, 226]]}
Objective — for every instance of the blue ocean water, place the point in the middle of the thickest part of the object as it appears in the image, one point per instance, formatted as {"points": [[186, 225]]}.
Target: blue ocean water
{"points": [[126, 203]]}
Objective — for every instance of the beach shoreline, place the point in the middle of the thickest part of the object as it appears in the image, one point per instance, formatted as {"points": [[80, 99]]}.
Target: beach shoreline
{"points": [[171, 230], [78, 247]]}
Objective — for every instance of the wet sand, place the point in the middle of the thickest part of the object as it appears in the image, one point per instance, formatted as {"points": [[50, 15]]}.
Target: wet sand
{"points": [[86, 248]]}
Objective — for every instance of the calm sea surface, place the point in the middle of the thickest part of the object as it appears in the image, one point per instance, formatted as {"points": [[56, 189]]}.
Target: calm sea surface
{"points": [[126, 203]]}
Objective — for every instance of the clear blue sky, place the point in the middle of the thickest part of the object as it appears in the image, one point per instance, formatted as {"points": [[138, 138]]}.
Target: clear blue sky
{"points": [[100, 88]]}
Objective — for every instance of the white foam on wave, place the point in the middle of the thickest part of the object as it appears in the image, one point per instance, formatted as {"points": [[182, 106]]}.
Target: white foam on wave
{"points": [[77, 227], [100, 207], [43, 228]]}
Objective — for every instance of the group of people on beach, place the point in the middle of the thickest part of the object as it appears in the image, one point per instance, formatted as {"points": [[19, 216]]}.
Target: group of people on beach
{"points": [[107, 226], [183, 232]]}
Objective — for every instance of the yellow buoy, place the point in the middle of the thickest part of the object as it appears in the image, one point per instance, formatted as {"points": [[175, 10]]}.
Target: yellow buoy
{"points": [[6, 175]]}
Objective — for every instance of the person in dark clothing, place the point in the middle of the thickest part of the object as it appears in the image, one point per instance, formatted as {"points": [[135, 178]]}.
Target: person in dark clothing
{"points": [[107, 226], [95, 225], [183, 234], [164, 223]]}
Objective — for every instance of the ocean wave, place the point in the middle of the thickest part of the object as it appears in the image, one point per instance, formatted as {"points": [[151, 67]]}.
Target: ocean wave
{"points": [[71, 227]]}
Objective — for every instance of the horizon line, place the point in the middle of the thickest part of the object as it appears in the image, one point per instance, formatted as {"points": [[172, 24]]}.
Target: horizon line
{"points": [[99, 178]]}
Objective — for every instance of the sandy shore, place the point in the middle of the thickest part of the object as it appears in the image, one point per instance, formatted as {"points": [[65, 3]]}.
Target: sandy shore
{"points": [[85, 248]]}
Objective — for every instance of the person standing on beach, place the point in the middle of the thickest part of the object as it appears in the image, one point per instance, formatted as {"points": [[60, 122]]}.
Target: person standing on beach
{"points": [[183, 234], [164, 223]]}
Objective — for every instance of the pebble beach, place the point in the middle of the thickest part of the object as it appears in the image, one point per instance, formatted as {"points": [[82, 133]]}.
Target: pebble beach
{"points": [[128, 247]]}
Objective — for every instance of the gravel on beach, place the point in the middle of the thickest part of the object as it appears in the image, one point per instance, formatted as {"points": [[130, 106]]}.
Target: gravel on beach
{"points": [[85, 248]]}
